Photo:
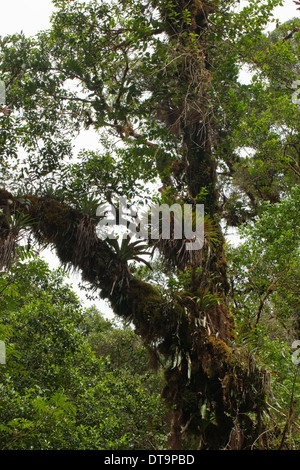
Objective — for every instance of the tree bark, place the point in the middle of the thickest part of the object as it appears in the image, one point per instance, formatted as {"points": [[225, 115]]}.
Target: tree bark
{"points": [[210, 379]]}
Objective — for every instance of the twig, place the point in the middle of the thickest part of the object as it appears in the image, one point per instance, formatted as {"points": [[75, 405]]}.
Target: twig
{"points": [[267, 430]]}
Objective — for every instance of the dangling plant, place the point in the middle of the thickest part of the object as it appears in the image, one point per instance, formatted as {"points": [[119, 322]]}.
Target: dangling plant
{"points": [[17, 223]]}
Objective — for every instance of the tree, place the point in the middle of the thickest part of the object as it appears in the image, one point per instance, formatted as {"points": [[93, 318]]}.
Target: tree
{"points": [[55, 393], [265, 297], [161, 77]]}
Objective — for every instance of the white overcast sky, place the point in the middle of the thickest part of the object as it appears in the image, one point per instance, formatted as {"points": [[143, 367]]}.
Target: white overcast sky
{"points": [[31, 16]]}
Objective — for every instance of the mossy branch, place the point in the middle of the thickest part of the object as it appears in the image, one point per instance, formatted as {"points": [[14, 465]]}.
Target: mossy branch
{"points": [[209, 370]]}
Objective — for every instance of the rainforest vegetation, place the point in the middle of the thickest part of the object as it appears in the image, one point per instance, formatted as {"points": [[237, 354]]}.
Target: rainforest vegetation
{"points": [[203, 349]]}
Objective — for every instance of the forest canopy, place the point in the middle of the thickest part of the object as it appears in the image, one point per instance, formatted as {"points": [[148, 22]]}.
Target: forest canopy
{"points": [[159, 85]]}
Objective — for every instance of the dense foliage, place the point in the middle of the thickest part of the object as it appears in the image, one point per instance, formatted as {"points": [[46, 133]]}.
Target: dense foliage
{"points": [[158, 84], [265, 298], [72, 380]]}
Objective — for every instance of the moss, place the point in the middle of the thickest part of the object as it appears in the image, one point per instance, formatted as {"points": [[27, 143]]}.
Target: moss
{"points": [[56, 218], [220, 350], [146, 306], [216, 374], [173, 390], [144, 299]]}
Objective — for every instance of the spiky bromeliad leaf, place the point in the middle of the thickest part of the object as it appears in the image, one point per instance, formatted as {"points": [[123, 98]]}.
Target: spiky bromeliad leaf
{"points": [[130, 251]]}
